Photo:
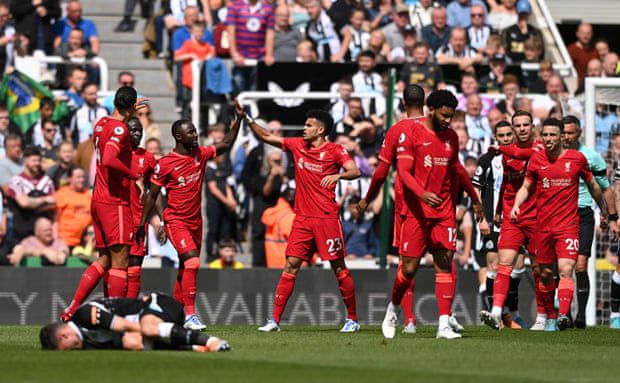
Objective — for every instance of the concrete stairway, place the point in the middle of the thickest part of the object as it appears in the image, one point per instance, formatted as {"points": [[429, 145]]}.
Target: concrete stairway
{"points": [[123, 51]]}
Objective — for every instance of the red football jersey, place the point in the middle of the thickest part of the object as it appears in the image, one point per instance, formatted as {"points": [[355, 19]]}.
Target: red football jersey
{"points": [[435, 156], [142, 163], [182, 177], [514, 173], [557, 182], [387, 154], [111, 186], [311, 165]]}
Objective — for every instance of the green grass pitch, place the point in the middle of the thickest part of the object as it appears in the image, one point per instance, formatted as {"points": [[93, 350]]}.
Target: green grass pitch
{"points": [[322, 354]]}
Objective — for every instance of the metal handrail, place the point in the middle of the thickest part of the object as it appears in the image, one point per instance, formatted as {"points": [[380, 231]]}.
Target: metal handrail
{"points": [[103, 66], [568, 62]]}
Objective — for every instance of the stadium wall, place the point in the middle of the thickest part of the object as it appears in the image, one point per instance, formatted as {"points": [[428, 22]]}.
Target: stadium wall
{"points": [[245, 297]]}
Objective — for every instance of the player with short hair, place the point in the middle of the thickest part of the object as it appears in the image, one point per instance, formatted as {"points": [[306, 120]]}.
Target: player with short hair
{"points": [[154, 321], [556, 173], [488, 181], [427, 164], [181, 172], [317, 225], [111, 198], [516, 234], [570, 140]]}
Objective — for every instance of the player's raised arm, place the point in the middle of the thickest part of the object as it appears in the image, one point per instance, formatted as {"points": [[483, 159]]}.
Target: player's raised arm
{"points": [[231, 136], [263, 134], [522, 195]]}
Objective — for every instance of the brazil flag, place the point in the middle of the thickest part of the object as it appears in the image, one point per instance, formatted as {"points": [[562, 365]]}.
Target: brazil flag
{"points": [[22, 95]]}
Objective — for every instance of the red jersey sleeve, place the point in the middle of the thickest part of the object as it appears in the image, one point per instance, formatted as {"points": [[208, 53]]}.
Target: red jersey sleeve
{"points": [[342, 155], [290, 144], [514, 151], [161, 173], [388, 148], [584, 168], [117, 136], [208, 151], [405, 147], [531, 173]]}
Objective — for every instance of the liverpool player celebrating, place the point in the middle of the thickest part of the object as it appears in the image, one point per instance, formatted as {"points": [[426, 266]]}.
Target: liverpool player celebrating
{"points": [[570, 140], [514, 234], [181, 172], [427, 166], [316, 226], [556, 173], [110, 202]]}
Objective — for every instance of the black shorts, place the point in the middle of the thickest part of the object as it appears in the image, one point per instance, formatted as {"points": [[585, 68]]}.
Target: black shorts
{"points": [[164, 307], [487, 244], [586, 230]]}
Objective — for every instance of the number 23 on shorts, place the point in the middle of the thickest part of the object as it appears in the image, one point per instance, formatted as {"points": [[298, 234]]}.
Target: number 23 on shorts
{"points": [[334, 245]]}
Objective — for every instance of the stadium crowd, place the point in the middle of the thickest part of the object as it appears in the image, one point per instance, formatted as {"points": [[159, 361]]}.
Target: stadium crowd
{"points": [[47, 170]]}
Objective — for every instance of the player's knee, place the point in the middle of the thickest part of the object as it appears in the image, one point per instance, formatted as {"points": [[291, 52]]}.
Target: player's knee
{"points": [[149, 329], [192, 263], [546, 273], [292, 265]]}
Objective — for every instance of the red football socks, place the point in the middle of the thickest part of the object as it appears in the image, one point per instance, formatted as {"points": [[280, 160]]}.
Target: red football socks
{"points": [[90, 279], [566, 289], [453, 272], [400, 287], [407, 304], [178, 291], [188, 284], [117, 282], [501, 285], [347, 290], [540, 304], [285, 287], [548, 293], [134, 274], [444, 292]]}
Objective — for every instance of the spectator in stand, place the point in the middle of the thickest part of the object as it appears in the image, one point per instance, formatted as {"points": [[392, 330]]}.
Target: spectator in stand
{"points": [[42, 243], [47, 148], [469, 86], [533, 54], [493, 47], [602, 48], [458, 52], [355, 152], [367, 134], [556, 92], [74, 20], [278, 221], [75, 81], [250, 25], [604, 122], [405, 53], [478, 31], [393, 32], [510, 89], [193, 49], [420, 14], [421, 70], [6, 127], [340, 11], [379, 13], [227, 251], [74, 47], [81, 126], [492, 82], [306, 52], [59, 172], [538, 84], [355, 36], [86, 249], [366, 80], [287, 37], [262, 176], [582, 50], [31, 195], [610, 65], [221, 200], [360, 239], [340, 108], [503, 14], [438, 33], [34, 135], [153, 146], [378, 46], [7, 39], [495, 116], [173, 18], [73, 208], [36, 18], [322, 31], [459, 12], [151, 129], [124, 78], [594, 69], [514, 37], [478, 128], [299, 15], [11, 164], [354, 116]]}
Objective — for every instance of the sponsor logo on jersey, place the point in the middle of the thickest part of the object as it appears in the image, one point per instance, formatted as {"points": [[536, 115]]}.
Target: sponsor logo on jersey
{"points": [[181, 181], [309, 166]]}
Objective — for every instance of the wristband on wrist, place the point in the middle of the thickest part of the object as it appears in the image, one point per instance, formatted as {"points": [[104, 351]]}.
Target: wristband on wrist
{"points": [[613, 217]]}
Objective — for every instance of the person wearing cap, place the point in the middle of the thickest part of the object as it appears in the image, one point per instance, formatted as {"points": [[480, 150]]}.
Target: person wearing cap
{"points": [[459, 12], [421, 70], [393, 32], [514, 37], [404, 53], [438, 33], [478, 31], [492, 82], [458, 52]]}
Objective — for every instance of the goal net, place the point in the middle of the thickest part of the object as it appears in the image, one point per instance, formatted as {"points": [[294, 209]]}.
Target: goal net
{"points": [[602, 132]]}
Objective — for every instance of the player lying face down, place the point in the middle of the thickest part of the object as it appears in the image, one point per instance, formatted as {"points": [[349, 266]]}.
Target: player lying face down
{"points": [[151, 322]]}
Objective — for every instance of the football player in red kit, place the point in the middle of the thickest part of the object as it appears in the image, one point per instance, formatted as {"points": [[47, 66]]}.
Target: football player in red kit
{"points": [[110, 203], [316, 227], [555, 173], [181, 172]]}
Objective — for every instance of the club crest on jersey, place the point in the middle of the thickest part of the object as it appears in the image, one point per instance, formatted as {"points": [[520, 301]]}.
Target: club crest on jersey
{"points": [[182, 243], [119, 130], [567, 166], [545, 183], [402, 138], [428, 161]]}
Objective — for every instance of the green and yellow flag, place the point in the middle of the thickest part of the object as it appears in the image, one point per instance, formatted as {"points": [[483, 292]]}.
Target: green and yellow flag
{"points": [[22, 95]]}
